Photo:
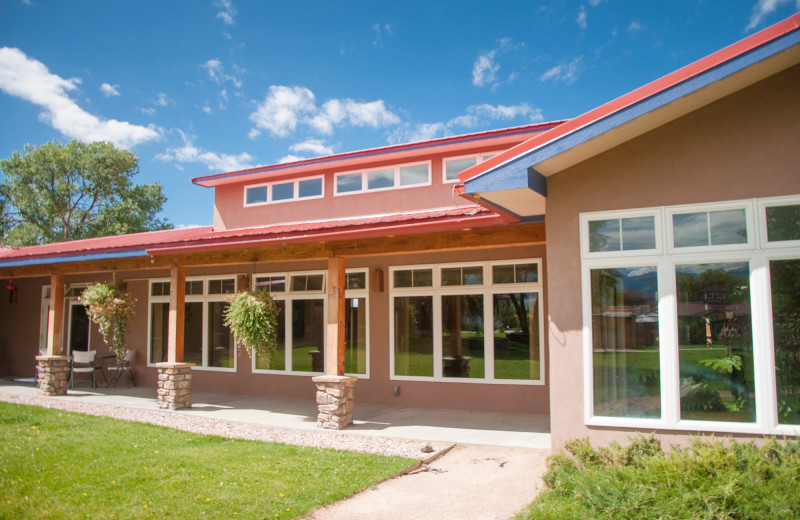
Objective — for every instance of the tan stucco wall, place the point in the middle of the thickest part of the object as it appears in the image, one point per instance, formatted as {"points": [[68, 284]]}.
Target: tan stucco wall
{"points": [[743, 146]]}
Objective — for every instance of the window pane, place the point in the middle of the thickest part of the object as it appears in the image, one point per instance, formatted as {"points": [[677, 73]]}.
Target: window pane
{"points": [[315, 282], [221, 349], [604, 235], [417, 174], [271, 283], [355, 336], [380, 179], [278, 359], [221, 286], [423, 277], [783, 223], [473, 276], [638, 233], [356, 280], [403, 278], [451, 276], [728, 227], [299, 283], [462, 336], [349, 182], [159, 321], [455, 166], [308, 336], [156, 289], [715, 342], [283, 191], [785, 277], [413, 336], [193, 333], [256, 195], [78, 328], [625, 349], [527, 273], [690, 229], [502, 274], [516, 336], [194, 287], [310, 188]]}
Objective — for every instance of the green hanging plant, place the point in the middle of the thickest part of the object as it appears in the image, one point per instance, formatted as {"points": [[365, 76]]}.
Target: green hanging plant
{"points": [[253, 317], [111, 309]]}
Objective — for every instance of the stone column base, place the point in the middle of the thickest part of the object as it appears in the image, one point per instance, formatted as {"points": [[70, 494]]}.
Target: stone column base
{"points": [[335, 400], [53, 374], [174, 385]]}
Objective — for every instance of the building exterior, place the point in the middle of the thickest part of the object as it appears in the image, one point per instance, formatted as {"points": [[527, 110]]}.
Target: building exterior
{"points": [[633, 269]]}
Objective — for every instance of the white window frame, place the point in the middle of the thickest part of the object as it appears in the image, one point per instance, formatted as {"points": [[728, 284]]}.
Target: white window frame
{"points": [[666, 261], [365, 179], [205, 298], [585, 218], [295, 193], [487, 289], [480, 157]]}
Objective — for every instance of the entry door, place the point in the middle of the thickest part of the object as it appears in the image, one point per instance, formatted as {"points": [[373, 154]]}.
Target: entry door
{"points": [[43, 317], [78, 327]]}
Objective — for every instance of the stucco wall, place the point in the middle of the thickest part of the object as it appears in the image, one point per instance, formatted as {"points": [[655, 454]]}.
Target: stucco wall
{"points": [[740, 147]]}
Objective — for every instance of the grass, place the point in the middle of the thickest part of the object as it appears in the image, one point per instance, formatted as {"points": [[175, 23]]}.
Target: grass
{"points": [[57, 464], [710, 479]]}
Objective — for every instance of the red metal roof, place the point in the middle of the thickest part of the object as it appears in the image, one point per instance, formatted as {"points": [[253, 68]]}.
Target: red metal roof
{"points": [[205, 238], [739, 48]]}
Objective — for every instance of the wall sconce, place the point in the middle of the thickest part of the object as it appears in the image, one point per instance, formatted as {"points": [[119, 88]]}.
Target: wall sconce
{"points": [[12, 290]]}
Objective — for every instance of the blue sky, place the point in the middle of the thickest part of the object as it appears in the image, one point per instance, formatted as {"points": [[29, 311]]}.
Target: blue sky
{"points": [[197, 87]]}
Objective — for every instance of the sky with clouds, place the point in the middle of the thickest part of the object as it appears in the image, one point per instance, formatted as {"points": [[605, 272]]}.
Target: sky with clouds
{"points": [[197, 87]]}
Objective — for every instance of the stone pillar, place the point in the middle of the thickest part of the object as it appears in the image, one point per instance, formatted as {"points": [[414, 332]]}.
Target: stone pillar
{"points": [[174, 385], [53, 374], [335, 400]]}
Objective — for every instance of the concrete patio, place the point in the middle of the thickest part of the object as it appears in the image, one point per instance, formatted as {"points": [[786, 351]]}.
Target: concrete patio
{"points": [[451, 426]]}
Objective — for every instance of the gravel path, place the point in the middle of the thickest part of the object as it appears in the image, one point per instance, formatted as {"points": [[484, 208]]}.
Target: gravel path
{"points": [[411, 449]]}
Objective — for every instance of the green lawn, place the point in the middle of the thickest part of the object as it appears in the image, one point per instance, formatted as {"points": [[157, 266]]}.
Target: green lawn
{"points": [[56, 464]]}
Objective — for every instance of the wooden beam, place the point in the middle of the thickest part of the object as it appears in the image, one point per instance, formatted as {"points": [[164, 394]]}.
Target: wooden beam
{"points": [[334, 340], [55, 316], [177, 298]]}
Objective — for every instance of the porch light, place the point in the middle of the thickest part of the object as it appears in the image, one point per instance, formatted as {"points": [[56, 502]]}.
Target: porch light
{"points": [[12, 289]]}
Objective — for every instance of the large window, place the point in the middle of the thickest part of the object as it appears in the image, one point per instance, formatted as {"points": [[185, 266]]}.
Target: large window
{"points": [[455, 165], [473, 322], [691, 317], [284, 191], [207, 341], [301, 299], [391, 177]]}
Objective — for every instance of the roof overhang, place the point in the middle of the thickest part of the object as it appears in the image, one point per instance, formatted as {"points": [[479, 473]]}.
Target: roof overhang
{"points": [[500, 182]]}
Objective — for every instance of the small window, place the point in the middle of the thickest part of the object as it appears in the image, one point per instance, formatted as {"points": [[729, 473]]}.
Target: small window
{"points": [[622, 234], [515, 273], [378, 179], [453, 167], [308, 283], [356, 280], [710, 228], [413, 278], [348, 183], [283, 191], [159, 289], [462, 276], [194, 287], [310, 188], [271, 284], [256, 195], [416, 174], [221, 286], [783, 223]]}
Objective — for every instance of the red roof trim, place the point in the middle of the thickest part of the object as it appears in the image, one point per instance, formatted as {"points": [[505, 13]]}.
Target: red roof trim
{"points": [[635, 96]]}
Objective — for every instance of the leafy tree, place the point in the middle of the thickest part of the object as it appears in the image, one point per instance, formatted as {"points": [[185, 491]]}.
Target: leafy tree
{"points": [[57, 192]]}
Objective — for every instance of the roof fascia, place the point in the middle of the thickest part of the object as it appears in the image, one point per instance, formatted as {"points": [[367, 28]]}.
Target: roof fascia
{"points": [[515, 165], [73, 258]]}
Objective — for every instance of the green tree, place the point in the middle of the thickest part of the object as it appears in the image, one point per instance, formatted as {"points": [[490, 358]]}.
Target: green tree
{"points": [[57, 192]]}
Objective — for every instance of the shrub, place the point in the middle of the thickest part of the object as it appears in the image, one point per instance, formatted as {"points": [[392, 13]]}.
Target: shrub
{"points": [[253, 318], [111, 309]]}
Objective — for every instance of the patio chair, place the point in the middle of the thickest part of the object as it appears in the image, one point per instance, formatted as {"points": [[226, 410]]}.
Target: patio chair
{"points": [[120, 369], [82, 363]]}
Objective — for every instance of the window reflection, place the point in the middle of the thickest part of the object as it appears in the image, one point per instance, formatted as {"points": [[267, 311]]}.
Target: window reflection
{"points": [[785, 279], [413, 336]]}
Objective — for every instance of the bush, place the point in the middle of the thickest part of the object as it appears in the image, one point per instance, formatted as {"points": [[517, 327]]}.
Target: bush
{"points": [[111, 309], [708, 479], [253, 318]]}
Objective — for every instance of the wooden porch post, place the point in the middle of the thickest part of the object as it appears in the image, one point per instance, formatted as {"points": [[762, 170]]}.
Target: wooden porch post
{"points": [[334, 345], [177, 297], [55, 316]]}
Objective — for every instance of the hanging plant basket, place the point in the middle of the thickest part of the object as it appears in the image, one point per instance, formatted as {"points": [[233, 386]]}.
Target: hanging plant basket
{"points": [[252, 316], [111, 309]]}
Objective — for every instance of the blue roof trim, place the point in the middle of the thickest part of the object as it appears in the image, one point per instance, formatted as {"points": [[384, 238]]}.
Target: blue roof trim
{"points": [[366, 154], [74, 258], [491, 180]]}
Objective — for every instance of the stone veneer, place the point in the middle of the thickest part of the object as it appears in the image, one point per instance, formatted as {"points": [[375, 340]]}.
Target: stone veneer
{"points": [[174, 385], [335, 401], [53, 374]]}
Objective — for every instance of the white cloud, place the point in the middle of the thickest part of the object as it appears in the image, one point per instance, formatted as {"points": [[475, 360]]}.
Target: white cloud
{"points": [[228, 11], [380, 31], [148, 111], [484, 70], [207, 109], [30, 80], [581, 19], [595, 3], [284, 108], [163, 100], [506, 112], [312, 146], [216, 71], [253, 133], [764, 8], [290, 158], [109, 90], [567, 72], [189, 153], [635, 26], [419, 132]]}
